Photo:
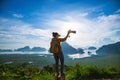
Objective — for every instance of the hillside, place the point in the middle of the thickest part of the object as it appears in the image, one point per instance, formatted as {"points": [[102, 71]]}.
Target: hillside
{"points": [[109, 49], [37, 60], [68, 49]]}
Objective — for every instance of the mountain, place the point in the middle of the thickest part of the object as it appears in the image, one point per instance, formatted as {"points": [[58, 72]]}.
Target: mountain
{"points": [[68, 49], [80, 50], [6, 50], [24, 49], [28, 49], [38, 49], [109, 49], [92, 48]]}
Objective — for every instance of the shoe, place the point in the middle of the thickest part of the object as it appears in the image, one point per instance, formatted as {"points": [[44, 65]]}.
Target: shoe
{"points": [[62, 74], [57, 74]]}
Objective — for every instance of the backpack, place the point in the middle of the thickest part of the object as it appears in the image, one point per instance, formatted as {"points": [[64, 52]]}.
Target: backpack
{"points": [[54, 46]]}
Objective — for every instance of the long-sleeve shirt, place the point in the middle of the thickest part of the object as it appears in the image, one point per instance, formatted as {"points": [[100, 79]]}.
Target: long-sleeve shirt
{"points": [[56, 42]]}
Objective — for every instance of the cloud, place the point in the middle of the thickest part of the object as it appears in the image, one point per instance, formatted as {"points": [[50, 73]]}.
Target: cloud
{"points": [[21, 34], [118, 11], [18, 15], [90, 31]]}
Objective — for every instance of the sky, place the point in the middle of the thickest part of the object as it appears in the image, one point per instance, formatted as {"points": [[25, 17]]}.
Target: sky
{"points": [[31, 22]]}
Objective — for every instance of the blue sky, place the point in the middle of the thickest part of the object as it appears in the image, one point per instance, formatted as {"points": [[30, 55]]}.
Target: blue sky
{"points": [[31, 22]]}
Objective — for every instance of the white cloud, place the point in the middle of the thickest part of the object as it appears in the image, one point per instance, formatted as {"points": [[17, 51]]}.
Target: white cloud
{"points": [[18, 15], [118, 11], [89, 31], [22, 34]]}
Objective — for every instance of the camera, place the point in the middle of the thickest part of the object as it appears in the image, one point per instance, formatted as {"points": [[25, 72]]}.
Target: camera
{"points": [[72, 31]]}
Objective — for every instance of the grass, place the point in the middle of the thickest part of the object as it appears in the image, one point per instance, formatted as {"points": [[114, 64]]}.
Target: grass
{"points": [[75, 72]]}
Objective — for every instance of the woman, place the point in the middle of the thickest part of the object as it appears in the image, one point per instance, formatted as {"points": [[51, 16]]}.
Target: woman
{"points": [[56, 49]]}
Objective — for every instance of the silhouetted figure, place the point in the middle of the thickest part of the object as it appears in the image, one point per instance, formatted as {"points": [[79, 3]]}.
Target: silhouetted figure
{"points": [[56, 49]]}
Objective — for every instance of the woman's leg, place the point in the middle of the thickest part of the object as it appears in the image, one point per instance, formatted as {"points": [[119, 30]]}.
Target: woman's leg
{"points": [[56, 57], [62, 63]]}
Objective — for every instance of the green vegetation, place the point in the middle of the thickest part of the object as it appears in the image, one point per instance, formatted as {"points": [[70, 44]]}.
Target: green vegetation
{"points": [[17, 59], [98, 60], [96, 67], [90, 72], [27, 71]]}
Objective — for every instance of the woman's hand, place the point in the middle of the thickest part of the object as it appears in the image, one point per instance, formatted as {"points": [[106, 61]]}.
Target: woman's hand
{"points": [[69, 31]]}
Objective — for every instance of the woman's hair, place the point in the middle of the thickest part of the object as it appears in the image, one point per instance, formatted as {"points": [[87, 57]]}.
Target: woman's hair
{"points": [[54, 34]]}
